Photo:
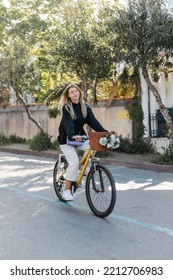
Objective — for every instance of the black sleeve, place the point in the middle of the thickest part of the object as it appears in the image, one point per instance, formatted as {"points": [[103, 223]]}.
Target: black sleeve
{"points": [[68, 123], [93, 122]]}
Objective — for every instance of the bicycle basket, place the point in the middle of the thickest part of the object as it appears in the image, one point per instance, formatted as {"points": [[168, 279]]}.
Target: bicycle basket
{"points": [[94, 140]]}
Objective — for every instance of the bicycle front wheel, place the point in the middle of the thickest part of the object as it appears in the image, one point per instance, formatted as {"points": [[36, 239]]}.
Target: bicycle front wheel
{"points": [[59, 177], [101, 191]]}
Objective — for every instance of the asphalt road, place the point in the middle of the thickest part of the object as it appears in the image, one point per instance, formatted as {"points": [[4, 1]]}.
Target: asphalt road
{"points": [[35, 225]]}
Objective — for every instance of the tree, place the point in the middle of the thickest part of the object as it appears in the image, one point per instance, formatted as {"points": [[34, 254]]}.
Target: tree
{"points": [[140, 32], [79, 48], [61, 40], [23, 34]]}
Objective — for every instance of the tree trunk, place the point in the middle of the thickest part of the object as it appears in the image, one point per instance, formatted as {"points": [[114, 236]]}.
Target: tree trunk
{"points": [[162, 107], [114, 91], [85, 87], [21, 99], [83, 78], [95, 92]]}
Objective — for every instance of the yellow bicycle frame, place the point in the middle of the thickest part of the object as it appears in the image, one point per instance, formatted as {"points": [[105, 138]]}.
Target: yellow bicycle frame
{"points": [[84, 161]]}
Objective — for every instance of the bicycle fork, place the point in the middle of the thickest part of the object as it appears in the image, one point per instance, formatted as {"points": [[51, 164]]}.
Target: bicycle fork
{"points": [[94, 164], [61, 178]]}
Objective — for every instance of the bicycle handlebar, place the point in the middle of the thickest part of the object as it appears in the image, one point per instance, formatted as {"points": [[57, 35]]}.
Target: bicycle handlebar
{"points": [[84, 138]]}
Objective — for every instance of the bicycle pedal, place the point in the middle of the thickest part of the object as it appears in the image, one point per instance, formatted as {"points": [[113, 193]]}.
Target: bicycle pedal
{"points": [[76, 188]]}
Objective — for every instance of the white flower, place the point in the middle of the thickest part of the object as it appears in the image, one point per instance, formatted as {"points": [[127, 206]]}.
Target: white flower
{"points": [[112, 138], [110, 141], [116, 146], [103, 141], [109, 145]]}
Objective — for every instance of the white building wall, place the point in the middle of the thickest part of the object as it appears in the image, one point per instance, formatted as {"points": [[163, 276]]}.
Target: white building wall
{"points": [[150, 107], [165, 89]]}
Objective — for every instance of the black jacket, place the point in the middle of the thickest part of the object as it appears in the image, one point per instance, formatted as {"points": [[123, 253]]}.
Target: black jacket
{"points": [[71, 127]]}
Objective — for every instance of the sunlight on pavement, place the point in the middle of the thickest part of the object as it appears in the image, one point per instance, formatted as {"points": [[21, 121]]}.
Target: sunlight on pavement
{"points": [[147, 186], [165, 186], [37, 189]]}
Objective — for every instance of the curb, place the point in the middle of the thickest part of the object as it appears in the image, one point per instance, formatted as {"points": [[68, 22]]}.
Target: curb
{"points": [[137, 165], [29, 152], [144, 166]]}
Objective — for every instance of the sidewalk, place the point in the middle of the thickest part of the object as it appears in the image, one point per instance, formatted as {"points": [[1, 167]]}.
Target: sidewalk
{"points": [[137, 161]]}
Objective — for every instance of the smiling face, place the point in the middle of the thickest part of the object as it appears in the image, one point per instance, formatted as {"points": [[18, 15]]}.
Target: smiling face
{"points": [[74, 94]]}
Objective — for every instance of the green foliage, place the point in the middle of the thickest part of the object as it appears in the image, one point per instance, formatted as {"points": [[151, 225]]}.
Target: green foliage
{"points": [[54, 145], [46, 43], [144, 37], [138, 146], [16, 139], [129, 80], [123, 79], [11, 139], [43, 44], [3, 140], [145, 28], [53, 112], [4, 101], [103, 154], [142, 146], [82, 52], [41, 142], [166, 158], [125, 143], [135, 111]]}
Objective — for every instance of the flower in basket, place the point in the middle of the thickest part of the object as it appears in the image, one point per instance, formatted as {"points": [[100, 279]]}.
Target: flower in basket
{"points": [[110, 141], [103, 141]]}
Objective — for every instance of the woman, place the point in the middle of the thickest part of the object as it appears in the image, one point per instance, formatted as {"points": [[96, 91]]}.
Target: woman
{"points": [[75, 114]]}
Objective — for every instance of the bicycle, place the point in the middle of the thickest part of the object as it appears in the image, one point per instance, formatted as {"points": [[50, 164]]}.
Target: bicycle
{"points": [[100, 186]]}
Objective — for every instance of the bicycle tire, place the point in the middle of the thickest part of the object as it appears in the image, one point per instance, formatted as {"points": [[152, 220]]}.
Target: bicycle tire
{"points": [[58, 181], [102, 199]]}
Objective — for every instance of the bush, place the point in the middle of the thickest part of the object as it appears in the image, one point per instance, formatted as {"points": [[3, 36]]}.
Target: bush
{"points": [[54, 145], [53, 112], [167, 158], [103, 154], [3, 140], [125, 144], [41, 142], [16, 139], [138, 146], [142, 146]]}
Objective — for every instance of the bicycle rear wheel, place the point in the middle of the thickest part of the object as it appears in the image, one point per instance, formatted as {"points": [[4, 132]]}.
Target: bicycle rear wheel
{"points": [[59, 176], [101, 191]]}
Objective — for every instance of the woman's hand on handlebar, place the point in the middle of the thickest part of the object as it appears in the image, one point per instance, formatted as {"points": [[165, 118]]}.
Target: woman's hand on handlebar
{"points": [[80, 137], [77, 137]]}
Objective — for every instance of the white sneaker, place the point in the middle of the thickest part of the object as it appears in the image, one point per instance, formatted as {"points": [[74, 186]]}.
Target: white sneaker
{"points": [[67, 195]]}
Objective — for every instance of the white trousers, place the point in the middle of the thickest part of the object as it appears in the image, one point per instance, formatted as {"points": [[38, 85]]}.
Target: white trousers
{"points": [[73, 159]]}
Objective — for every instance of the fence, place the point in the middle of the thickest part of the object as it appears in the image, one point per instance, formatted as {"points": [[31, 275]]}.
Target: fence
{"points": [[158, 126], [15, 121]]}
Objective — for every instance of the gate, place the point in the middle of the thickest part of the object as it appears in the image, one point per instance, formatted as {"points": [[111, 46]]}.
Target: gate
{"points": [[158, 126]]}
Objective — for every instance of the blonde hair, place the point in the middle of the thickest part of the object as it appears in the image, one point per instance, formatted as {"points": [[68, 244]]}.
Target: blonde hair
{"points": [[65, 100]]}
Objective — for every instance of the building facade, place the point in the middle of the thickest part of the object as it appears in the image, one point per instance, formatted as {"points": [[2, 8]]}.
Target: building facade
{"points": [[155, 125]]}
